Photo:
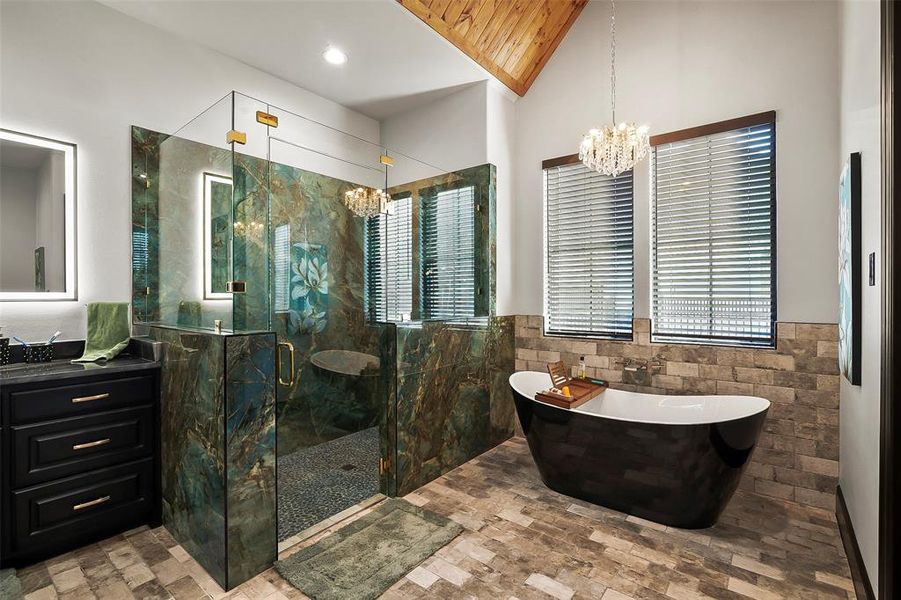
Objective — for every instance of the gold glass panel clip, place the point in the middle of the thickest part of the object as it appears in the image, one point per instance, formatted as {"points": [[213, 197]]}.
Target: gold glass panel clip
{"points": [[267, 119], [235, 136]]}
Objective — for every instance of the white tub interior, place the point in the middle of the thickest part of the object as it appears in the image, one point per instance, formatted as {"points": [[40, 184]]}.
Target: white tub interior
{"points": [[649, 408]]}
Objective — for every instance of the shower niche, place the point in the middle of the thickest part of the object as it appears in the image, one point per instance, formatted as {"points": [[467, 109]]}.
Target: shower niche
{"points": [[315, 358]]}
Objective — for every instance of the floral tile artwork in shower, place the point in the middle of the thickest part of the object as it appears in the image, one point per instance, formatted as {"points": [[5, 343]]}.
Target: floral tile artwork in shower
{"points": [[309, 288]]}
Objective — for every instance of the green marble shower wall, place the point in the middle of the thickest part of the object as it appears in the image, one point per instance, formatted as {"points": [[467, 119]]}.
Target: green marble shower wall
{"points": [[316, 290], [145, 168], [218, 448], [483, 180], [437, 390], [167, 240], [453, 399]]}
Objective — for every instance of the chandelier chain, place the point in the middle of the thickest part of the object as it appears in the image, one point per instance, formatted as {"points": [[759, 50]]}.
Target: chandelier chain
{"points": [[613, 59], [614, 149]]}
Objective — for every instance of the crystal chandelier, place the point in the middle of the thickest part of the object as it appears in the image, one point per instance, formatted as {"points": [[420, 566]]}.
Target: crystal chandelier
{"points": [[367, 202], [614, 148]]}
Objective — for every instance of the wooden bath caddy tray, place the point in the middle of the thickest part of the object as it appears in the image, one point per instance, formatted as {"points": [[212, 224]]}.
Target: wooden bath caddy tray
{"points": [[582, 390]]}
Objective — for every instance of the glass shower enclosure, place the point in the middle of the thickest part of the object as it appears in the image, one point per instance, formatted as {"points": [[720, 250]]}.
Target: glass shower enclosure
{"points": [[240, 228], [314, 359]]}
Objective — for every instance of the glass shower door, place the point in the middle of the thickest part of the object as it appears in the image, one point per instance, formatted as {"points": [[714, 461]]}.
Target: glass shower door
{"points": [[332, 414]]}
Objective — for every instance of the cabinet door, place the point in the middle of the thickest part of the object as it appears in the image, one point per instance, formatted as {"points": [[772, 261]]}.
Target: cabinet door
{"points": [[53, 449], [56, 514], [79, 399]]}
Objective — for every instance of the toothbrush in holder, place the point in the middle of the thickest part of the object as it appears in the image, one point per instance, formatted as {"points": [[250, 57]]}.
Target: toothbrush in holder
{"points": [[53, 337]]}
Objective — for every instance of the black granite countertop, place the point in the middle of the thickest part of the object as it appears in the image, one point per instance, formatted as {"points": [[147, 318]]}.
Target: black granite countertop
{"points": [[64, 369]]}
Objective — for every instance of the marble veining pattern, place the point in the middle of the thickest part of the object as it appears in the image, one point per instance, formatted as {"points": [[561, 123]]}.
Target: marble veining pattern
{"points": [[453, 402], [218, 449], [145, 168], [250, 462], [193, 443]]}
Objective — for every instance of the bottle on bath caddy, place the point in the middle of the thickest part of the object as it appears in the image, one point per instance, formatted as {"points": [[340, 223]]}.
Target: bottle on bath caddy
{"points": [[581, 367]]}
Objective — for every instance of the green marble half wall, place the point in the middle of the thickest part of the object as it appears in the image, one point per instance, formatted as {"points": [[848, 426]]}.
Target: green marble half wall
{"points": [[218, 448], [453, 401]]}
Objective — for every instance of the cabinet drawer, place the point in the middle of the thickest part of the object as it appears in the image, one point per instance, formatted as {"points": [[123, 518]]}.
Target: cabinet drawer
{"points": [[79, 399], [55, 514], [54, 449]]}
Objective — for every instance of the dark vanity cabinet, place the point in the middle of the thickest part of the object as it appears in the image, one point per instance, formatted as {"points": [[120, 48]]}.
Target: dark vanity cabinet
{"points": [[80, 454]]}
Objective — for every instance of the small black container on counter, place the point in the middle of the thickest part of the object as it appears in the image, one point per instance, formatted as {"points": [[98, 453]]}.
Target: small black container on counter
{"points": [[37, 353], [4, 350]]}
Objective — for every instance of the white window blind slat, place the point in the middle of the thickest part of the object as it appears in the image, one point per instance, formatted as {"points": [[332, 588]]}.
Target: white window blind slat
{"points": [[282, 266], [588, 253], [713, 235], [448, 253], [389, 263]]}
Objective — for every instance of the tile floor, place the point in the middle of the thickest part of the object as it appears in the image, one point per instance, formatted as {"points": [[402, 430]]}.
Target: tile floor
{"points": [[319, 481], [521, 541]]}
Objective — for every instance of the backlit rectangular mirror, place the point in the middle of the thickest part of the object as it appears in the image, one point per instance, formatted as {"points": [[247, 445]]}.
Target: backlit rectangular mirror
{"points": [[37, 218], [217, 220]]}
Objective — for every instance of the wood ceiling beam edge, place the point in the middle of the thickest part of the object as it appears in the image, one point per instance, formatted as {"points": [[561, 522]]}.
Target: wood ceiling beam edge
{"points": [[512, 40]]}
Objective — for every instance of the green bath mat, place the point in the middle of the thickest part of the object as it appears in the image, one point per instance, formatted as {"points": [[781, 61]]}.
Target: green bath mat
{"points": [[365, 558], [9, 585]]}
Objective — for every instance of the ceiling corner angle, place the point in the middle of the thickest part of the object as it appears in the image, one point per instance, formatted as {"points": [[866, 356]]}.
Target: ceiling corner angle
{"points": [[512, 40]]}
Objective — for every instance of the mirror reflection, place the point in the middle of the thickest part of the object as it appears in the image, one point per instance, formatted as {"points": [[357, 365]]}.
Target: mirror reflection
{"points": [[36, 177], [217, 201]]}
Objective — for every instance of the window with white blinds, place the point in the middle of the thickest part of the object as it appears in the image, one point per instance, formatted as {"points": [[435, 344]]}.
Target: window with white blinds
{"points": [[389, 263], [588, 254], [281, 246], [713, 235], [140, 253], [447, 253]]}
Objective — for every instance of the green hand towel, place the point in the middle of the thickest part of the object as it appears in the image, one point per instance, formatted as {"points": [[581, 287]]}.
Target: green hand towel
{"points": [[108, 331]]}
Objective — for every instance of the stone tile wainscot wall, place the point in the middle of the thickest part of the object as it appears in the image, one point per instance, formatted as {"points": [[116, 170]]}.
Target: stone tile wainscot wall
{"points": [[797, 455]]}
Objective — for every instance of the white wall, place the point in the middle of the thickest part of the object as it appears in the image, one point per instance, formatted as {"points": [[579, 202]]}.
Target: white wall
{"points": [[681, 64], [445, 135], [859, 407], [501, 145], [17, 229], [470, 127], [50, 225], [83, 73]]}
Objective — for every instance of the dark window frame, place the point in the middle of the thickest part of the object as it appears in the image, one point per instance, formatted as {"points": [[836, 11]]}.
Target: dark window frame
{"points": [[561, 161], [763, 118]]}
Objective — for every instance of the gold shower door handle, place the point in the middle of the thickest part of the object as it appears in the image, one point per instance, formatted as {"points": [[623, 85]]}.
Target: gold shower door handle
{"points": [[278, 362]]}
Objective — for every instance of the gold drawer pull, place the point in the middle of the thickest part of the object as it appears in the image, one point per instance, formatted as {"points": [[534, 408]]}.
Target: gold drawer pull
{"points": [[89, 398], [93, 444], [91, 503]]}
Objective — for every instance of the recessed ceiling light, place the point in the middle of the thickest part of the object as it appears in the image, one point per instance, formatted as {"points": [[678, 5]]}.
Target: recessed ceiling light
{"points": [[334, 56]]}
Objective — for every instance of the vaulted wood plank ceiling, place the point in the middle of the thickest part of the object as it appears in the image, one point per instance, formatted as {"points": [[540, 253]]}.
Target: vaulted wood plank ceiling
{"points": [[511, 39]]}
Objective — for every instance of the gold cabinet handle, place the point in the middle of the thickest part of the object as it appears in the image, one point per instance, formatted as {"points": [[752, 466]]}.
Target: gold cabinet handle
{"points": [[91, 503], [278, 362], [93, 444], [89, 398]]}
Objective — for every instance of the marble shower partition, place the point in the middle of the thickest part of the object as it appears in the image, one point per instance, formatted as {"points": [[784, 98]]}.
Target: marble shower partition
{"points": [[316, 276], [251, 516], [251, 310], [218, 448], [483, 180], [453, 401], [167, 219], [145, 169]]}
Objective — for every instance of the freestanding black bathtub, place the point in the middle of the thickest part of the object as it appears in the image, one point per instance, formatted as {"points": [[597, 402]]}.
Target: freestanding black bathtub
{"points": [[675, 460]]}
